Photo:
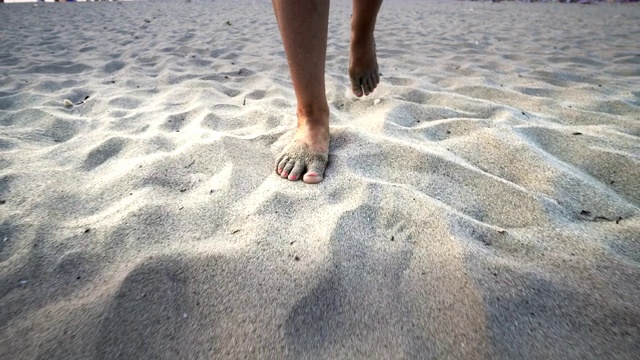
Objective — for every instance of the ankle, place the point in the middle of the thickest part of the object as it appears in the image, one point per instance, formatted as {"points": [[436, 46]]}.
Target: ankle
{"points": [[313, 112], [318, 124], [361, 34], [361, 41], [316, 135]]}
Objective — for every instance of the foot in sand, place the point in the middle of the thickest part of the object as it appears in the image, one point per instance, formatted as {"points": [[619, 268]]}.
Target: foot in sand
{"points": [[363, 65], [307, 155]]}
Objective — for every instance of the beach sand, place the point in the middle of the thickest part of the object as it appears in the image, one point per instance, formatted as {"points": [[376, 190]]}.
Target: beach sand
{"points": [[483, 203]]}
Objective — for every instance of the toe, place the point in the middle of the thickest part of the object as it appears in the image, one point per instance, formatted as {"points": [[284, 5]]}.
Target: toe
{"points": [[365, 86], [315, 172], [281, 163], [374, 81], [312, 178], [297, 170], [356, 86], [287, 169], [371, 83]]}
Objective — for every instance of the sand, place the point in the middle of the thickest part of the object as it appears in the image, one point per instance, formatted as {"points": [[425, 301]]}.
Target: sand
{"points": [[483, 203]]}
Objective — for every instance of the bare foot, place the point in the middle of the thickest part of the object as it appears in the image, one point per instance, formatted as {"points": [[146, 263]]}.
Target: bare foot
{"points": [[307, 154], [363, 66]]}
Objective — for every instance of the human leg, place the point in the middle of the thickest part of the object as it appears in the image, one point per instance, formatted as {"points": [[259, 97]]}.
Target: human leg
{"points": [[363, 65], [303, 27]]}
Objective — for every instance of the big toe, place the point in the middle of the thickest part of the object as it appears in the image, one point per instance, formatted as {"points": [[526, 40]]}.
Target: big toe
{"points": [[312, 178], [315, 172]]}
